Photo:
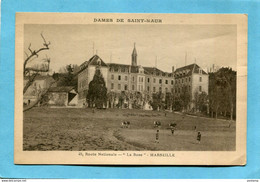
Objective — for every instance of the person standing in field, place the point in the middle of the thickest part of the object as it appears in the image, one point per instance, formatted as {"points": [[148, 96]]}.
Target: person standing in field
{"points": [[172, 129], [199, 137], [157, 137]]}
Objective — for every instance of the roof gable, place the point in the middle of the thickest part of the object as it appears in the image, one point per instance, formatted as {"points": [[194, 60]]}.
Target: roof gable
{"points": [[96, 60], [188, 70]]}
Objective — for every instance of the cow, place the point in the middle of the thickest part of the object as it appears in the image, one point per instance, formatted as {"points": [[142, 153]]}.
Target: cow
{"points": [[125, 124], [156, 124], [172, 125]]}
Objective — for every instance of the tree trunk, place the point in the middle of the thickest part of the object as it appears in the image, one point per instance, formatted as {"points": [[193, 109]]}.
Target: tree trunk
{"points": [[216, 113]]}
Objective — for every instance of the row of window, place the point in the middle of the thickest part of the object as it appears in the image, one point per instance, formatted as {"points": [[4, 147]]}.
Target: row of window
{"points": [[127, 70], [179, 90], [116, 69], [162, 74], [118, 86], [140, 88], [141, 79], [185, 72], [185, 80], [123, 70], [119, 77]]}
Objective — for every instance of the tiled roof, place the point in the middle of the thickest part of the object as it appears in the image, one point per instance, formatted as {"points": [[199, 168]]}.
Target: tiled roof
{"points": [[123, 67], [94, 60], [116, 67], [185, 70], [61, 89], [156, 71], [188, 70], [83, 66], [135, 69]]}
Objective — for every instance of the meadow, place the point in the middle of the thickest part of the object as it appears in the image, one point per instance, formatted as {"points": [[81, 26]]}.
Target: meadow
{"points": [[81, 129]]}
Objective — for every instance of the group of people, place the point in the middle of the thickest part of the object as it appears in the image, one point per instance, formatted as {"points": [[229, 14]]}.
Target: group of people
{"points": [[172, 131]]}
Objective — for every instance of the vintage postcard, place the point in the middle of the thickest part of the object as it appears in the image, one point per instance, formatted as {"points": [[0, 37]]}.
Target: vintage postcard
{"points": [[130, 89]]}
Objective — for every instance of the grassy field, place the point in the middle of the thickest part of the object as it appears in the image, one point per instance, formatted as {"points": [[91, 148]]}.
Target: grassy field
{"points": [[81, 129]]}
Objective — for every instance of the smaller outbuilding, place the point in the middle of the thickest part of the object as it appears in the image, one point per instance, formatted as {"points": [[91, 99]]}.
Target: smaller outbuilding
{"points": [[62, 96]]}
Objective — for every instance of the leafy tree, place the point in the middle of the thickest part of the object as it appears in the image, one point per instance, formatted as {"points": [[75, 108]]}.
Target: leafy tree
{"points": [[222, 92], [137, 100], [169, 100], [177, 103], [215, 95], [196, 101], [97, 93], [185, 97], [68, 76], [157, 102], [122, 98], [111, 97], [226, 79], [201, 101]]}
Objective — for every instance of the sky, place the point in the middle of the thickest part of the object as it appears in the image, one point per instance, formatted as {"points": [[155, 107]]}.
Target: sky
{"points": [[73, 44]]}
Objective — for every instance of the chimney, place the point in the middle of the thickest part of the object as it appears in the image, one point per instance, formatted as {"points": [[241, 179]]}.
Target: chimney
{"points": [[172, 69]]}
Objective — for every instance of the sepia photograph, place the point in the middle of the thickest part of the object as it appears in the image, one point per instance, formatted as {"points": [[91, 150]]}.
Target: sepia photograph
{"points": [[141, 87]]}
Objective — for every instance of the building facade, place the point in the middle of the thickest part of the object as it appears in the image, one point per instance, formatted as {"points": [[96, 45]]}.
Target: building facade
{"points": [[40, 83], [62, 96], [193, 79], [136, 78]]}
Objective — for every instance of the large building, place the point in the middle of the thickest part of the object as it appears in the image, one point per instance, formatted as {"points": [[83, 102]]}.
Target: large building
{"points": [[136, 78], [193, 78]]}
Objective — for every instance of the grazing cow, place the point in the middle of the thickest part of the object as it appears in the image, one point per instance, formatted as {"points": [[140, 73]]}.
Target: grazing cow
{"points": [[156, 124], [172, 125], [125, 124]]}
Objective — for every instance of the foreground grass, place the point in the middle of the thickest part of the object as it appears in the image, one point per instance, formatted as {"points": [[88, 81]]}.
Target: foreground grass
{"points": [[81, 129]]}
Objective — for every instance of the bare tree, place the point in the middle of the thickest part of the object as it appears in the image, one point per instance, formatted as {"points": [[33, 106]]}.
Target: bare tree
{"points": [[33, 67]]}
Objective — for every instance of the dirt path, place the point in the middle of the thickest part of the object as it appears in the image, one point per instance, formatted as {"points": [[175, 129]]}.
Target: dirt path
{"points": [[137, 145], [117, 143]]}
